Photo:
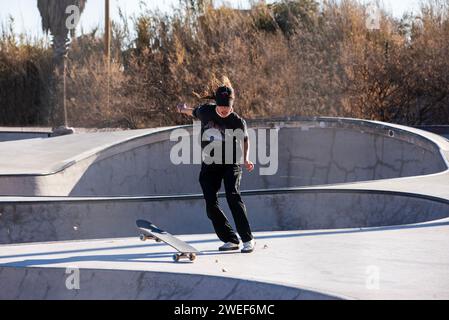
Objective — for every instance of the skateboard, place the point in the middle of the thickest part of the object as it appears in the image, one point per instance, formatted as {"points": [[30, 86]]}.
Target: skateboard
{"points": [[150, 232]]}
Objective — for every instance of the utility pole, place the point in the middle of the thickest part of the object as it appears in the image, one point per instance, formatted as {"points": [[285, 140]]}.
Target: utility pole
{"points": [[107, 45]]}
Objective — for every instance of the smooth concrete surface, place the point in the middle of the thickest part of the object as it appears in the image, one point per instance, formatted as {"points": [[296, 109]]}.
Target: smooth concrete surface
{"points": [[358, 210], [405, 262], [41, 284], [394, 201], [137, 162], [51, 219], [49, 156], [17, 133], [13, 136], [442, 130]]}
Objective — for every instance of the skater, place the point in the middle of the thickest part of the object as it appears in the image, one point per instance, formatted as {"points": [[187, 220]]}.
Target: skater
{"points": [[215, 119]]}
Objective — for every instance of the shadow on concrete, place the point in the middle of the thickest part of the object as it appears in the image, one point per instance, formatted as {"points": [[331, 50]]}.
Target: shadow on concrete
{"points": [[99, 258], [111, 258], [211, 252]]}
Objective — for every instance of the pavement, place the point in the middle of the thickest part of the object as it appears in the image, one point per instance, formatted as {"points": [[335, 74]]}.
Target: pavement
{"points": [[371, 263]]}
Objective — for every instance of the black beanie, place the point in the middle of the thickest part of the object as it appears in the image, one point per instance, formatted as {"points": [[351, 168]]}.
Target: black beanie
{"points": [[224, 96]]}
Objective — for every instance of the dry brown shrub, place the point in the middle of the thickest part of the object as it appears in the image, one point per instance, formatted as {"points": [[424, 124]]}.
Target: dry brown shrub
{"points": [[289, 59]]}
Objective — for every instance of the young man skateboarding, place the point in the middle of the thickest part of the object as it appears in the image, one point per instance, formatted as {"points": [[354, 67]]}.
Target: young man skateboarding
{"points": [[218, 122]]}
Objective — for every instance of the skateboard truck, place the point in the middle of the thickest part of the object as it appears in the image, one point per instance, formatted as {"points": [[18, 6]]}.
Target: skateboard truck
{"points": [[149, 231], [179, 256], [145, 238]]}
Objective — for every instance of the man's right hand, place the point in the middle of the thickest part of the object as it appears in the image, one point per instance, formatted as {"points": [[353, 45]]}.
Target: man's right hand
{"points": [[182, 107]]}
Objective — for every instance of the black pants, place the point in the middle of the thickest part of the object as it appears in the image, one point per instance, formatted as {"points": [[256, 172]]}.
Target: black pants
{"points": [[210, 180]]}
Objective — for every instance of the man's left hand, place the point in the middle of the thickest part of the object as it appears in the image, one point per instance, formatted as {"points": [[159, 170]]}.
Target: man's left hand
{"points": [[249, 165]]}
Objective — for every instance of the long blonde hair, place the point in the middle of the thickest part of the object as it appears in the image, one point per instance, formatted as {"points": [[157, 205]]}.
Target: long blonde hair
{"points": [[211, 88]]}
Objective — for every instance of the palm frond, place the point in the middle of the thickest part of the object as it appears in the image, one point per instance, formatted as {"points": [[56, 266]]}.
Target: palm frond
{"points": [[54, 16]]}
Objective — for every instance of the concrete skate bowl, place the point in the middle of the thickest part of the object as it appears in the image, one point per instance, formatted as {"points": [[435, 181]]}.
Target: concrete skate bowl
{"points": [[312, 152], [38, 283], [333, 174]]}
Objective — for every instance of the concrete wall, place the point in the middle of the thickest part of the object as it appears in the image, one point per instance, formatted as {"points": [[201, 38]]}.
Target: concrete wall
{"points": [[49, 283], [310, 153], [56, 220], [315, 156], [14, 136]]}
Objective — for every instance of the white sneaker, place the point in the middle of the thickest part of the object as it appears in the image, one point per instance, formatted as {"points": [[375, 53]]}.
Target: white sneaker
{"points": [[248, 247], [229, 246]]}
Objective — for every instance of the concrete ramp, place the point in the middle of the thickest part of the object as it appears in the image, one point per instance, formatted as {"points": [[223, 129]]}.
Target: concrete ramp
{"points": [[16, 134], [372, 174], [137, 162], [55, 219], [404, 262], [50, 284], [352, 201]]}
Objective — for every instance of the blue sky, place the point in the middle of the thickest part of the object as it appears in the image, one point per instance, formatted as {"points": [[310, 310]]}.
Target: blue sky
{"points": [[27, 19]]}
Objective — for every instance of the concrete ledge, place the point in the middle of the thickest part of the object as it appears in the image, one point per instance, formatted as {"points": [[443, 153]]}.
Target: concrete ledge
{"points": [[55, 219], [50, 284], [411, 262], [386, 206], [137, 163]]}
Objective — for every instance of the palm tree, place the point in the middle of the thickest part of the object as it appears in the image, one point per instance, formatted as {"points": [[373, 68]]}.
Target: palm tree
{"points": [[54, 21]]}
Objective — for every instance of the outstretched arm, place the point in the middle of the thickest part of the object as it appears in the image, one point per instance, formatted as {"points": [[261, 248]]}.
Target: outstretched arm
{"points": [[184, 109]]}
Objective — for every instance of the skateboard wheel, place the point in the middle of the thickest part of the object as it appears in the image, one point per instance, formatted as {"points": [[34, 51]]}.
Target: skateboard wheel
{"points": [[192, 257], [176, 257], [157, 240], [142, 237]]}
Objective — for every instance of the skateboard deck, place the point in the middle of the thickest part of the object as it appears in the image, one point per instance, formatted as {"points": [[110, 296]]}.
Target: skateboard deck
{"points": [[150, 232]]}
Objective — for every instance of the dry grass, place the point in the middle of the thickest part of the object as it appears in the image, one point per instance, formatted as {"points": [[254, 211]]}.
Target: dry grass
{"points": [[24, 69], [283, 61]]}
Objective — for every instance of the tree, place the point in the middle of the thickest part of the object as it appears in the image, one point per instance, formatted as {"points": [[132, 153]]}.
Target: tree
{"points": [[196, 6], [293, 14], [56, 20]]}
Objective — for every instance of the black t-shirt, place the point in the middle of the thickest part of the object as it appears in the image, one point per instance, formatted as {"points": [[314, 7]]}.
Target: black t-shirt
{"points": [[218, 130]]}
